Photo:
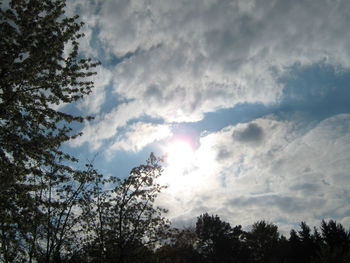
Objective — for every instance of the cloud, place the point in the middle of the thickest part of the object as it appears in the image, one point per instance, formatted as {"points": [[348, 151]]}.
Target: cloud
{"points": [[299, 172], [176, 61], [140, 135], [92, 104], [285, 204], [181, 60], [252, 133], [105, 126]]}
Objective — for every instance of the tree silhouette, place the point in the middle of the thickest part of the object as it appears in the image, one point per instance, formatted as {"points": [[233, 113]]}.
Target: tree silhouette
{"points": [[217, 240], [335, 244], [294, 248], [263, 242]]}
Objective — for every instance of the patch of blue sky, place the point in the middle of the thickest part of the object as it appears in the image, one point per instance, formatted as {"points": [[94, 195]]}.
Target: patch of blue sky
{"points": [[111, 60], [112, 100], [96, 4], [215, 121], [95, 42], [317, 92], [121, 162], [124, 160], [118, 164]]}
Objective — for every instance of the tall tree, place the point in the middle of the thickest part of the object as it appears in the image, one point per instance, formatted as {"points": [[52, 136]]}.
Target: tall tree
{"points": [[263, 242], [217, 240], [123, 222], [36, 75], [308, 242], [294, 248], [335, 245], [303, 245], [40, 69]]}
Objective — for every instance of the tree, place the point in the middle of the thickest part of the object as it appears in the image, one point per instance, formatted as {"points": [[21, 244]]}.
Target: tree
{"points": [[294, 251], [263, 242], [334, 235], [181, 248], [122, 223], [50, 232], [40, 70], [335, 246], [217, 240], [36, 75], [308, 242], [303, 245], [332, 245]]}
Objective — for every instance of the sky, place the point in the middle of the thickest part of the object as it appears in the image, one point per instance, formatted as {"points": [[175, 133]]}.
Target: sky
{"points": [[248, 99]]}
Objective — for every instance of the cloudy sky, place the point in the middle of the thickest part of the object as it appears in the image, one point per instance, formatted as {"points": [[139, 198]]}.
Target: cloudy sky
{"points": [[249, 99]]}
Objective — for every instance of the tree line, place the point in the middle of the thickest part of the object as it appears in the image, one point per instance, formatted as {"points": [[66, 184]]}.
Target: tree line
{"points": [[215, 241], [52, 210]]}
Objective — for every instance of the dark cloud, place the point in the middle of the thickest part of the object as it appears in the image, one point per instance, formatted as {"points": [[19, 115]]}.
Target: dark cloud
{"points": [[251, 134], [286, 204], [223, 154], [153, 91], [307, 188]]}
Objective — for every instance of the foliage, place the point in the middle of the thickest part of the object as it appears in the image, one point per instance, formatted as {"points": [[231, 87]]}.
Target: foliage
{"points": [[217, 240], [334, 245], [122, 222], [37, 74], [43, 198], [263, 241], [213, 242], [48, 231], [40, 70], [331, 245]]}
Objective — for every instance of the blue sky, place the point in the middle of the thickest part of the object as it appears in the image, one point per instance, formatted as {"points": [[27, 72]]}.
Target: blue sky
{"points": [[259, 91]]}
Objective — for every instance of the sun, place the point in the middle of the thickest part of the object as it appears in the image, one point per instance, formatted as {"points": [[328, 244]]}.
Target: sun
{"points": [[180, 154], [188, 165]]}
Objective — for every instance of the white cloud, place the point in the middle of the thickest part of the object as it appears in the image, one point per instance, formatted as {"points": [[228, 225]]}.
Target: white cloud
{"points": [[140, 135], [105, 125], [87, 11], [191, 57], [92, 104], [295, 173]]}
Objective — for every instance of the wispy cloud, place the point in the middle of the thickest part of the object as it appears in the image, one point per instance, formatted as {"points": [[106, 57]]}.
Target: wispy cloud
{"points": [[92, 104], [140, 135]]}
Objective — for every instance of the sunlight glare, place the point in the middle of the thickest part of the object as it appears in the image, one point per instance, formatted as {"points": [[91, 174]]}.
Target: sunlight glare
{"points": [[188, 168], [180, 154]]}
